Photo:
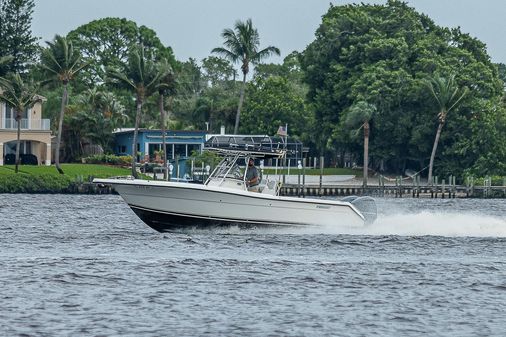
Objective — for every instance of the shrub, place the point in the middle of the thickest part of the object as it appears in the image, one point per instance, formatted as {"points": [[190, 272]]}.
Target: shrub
{"points": [[43, 183], [108, 159]]}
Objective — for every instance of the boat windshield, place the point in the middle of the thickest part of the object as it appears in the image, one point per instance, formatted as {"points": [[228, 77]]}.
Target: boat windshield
{"points": [[228, 168]]}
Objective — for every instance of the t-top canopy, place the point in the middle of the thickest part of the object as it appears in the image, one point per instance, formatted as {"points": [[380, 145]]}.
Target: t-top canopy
{"points": [[253, 145]]}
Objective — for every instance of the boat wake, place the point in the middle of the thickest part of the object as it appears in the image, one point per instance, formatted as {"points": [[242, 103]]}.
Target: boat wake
{"points": [[448, 224]]}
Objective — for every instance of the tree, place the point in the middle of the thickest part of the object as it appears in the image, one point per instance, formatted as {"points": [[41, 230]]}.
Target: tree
{"points": [[382, 54], [20, 95], [274, 102], [448, 96], [361, 114], [62, 63], [106, 43], [142, 76], [16, 37], [218, 70], [241, 45], [95, 115]]}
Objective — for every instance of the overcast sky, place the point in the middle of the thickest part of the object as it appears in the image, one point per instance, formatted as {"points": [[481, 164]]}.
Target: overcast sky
{"points": [[192, 27]]}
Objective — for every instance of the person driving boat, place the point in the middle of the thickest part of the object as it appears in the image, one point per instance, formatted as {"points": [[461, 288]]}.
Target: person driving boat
{"points": [[252, 176]]}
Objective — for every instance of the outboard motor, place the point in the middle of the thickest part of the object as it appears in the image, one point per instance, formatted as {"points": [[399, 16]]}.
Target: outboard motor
{"points": [[365, 205]]}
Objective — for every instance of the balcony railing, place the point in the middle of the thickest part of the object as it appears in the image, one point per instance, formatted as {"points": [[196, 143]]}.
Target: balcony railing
{"points": [[26, 124]]}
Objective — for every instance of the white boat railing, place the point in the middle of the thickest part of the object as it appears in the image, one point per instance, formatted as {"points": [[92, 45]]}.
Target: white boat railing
{"points": [[26, 124]]}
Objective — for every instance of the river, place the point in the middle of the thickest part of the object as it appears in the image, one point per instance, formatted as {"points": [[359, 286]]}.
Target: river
{"points": [[81, 265]]}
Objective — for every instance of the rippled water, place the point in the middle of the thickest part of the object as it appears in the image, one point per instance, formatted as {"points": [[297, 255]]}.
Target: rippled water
{"points": [[85, 265]]}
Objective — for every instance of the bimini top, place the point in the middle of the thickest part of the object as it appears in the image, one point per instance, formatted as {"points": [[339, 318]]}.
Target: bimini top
{"points": [[254, 145]]}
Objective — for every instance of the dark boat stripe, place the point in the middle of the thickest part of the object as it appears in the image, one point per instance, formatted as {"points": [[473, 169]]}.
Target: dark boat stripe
{"points": [[229, 220]]}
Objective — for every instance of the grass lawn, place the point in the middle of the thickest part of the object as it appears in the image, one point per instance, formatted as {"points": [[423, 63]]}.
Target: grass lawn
{"points": [[71, 170]]}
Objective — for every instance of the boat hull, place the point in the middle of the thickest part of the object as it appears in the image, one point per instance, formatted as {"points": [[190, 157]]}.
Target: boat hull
{"points": [[167, 206]]}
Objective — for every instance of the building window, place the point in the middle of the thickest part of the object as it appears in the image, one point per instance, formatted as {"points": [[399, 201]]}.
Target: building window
{"points": [[180, 150], [169, 151], [193, 148]]}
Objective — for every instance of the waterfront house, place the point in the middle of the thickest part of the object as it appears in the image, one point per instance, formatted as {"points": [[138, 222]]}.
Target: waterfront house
{"points": [[179, 143], [35, 134]]}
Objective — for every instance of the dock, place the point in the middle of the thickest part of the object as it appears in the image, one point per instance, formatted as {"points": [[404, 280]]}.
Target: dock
{"points": [[398, 188]]}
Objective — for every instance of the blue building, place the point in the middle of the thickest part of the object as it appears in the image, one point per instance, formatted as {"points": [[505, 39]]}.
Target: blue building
{"points": [[178, 143]]}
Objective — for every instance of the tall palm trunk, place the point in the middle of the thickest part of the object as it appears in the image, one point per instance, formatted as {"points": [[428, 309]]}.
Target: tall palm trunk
{"points": [[60, 128], [162, 121], [136, 131], [434, 149], [18, 139], [241, 100], [366, 153]]}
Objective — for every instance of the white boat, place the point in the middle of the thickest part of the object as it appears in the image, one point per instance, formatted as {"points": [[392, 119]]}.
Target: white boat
{"points": [[224, 199]]}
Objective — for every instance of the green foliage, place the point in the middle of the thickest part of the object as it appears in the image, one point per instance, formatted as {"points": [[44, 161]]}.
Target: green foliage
{"points": [[274, 102], [217, 70], [140, 74], [16, 38], [359, 113], [18, 93], [60, 61], [206, 158], [44, 179], [106, 43], [242, 45], [93, 118], [108, 159], [384, 54], [43, 183]]}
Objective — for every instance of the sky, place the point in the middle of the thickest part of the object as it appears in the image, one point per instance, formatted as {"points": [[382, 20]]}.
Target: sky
{"points": [[193, 27]]}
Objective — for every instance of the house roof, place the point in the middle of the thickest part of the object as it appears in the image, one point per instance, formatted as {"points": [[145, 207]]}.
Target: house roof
{"points": [[143, 130]]}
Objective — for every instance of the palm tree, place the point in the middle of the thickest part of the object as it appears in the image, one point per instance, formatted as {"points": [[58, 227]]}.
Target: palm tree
{"points": [[141, 75], [448, 96], [241, 45], [361, 114], [97, 114], [20, 95], [61, 62], [166, 86]]}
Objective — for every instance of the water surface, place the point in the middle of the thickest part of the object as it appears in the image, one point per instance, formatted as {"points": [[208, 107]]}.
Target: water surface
{"points": [[86, 265]]}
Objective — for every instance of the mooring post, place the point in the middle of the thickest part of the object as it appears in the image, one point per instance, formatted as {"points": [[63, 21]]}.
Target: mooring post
{"points": [[321, 174], [192, 168], [450, 179], [413, 189], [504, 185], [443, 189], [299, 167], [454, 187], [418, 186], [304, 177]]}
